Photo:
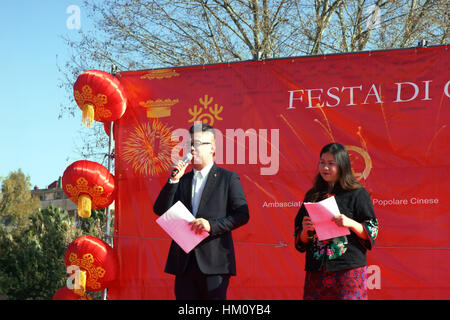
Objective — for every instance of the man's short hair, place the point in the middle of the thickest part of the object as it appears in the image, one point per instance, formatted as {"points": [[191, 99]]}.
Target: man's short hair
{"points": [[204, 127]]}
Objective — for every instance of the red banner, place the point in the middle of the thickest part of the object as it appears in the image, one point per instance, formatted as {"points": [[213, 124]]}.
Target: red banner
{"points": [[391, 110]]}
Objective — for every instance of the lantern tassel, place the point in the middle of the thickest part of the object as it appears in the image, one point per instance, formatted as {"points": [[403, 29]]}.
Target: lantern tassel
{"points": [[88, 114], [82, 284], [84, 206]]}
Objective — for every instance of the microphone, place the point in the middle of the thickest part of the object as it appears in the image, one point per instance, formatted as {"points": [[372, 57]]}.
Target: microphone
{"points": [[310, 233], [187, 158]]}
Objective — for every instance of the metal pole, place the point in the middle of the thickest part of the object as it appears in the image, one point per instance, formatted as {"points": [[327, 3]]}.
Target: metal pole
{"points": [[108, 238], [108, 211]]}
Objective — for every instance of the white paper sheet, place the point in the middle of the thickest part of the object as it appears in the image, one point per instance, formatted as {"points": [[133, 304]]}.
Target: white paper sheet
{"points": [[175, 222], [321, 214]]}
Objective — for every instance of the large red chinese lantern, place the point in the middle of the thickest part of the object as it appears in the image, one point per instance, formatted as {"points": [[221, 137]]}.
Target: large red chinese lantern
{"points": [[96, 259], [66, 294], [88, 184], [100, 96]]}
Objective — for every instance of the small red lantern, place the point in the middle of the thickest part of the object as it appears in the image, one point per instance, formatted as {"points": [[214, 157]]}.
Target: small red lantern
{"points": [[100, 96], [96, 259], [88, 184], [66, 294]]}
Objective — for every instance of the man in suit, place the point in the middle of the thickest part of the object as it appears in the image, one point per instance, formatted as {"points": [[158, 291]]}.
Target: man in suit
{"points": [[216, 199]]}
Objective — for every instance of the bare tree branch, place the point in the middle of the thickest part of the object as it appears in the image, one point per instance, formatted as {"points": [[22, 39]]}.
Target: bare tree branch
{"points": [[138, 34]]}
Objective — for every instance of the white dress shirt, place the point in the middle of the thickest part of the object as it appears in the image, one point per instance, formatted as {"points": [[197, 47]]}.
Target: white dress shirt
{"points": [[198, 184]]}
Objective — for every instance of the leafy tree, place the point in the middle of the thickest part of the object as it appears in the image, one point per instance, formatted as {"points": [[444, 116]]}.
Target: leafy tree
{"points": [[32, 257], [33, 242], [95, 225], [16, 200]]}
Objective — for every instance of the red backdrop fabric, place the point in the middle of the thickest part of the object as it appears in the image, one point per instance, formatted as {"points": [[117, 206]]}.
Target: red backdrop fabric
{"points": [[391, 110]]}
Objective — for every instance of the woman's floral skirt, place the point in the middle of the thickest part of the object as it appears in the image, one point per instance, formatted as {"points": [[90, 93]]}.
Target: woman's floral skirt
{"points": [[348, 284]]}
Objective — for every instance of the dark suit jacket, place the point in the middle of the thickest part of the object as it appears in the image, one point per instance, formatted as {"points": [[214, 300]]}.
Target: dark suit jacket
{"points": [[223, 204]]}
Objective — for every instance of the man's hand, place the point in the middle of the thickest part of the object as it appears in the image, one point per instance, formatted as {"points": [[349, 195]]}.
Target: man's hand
{"points": [[181, 166], [199, 225]]}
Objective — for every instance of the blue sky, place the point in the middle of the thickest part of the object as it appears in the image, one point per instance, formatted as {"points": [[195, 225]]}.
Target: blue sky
{"points": [[32, 138]]}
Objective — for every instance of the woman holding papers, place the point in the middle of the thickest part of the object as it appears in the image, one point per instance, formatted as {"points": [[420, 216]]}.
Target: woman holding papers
{"points": [[336, 267]]}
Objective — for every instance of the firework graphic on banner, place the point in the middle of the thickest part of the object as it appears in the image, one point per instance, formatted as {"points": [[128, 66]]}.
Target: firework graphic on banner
{"points": [[148, 148]]}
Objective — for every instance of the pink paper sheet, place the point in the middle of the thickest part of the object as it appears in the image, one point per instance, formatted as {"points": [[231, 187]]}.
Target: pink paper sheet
{"points": [[321, 214], [175, 222]]}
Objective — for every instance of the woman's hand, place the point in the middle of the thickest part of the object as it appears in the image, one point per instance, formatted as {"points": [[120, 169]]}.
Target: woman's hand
{"points": [[307, 225], [343, 221]]}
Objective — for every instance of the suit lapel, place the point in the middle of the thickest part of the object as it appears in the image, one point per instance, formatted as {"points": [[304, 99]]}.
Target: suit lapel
{"points": [[187, 190], [209, 188]]}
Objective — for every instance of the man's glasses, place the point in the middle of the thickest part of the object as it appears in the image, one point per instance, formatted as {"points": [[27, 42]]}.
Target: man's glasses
{"points": [[196, 144]]}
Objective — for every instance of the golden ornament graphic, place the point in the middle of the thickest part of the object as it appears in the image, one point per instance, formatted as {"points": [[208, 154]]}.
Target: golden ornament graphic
{"points": [[98, 101], [148, 148], [206, 114], [160, 74], [158, 108], [87, 263], [82, 187], [359, 171]]}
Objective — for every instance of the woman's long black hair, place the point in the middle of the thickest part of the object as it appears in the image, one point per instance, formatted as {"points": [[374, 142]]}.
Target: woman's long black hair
{"points": [[347, 180]]}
